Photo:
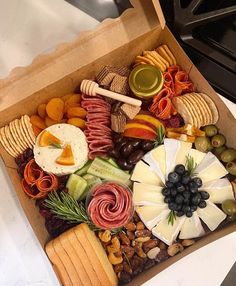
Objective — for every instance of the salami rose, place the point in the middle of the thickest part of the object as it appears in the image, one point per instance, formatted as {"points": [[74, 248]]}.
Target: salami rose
{"points": [[110, 205]]}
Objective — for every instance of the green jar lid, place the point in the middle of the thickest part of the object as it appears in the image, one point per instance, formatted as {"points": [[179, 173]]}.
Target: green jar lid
{"points": [[145, 81]]}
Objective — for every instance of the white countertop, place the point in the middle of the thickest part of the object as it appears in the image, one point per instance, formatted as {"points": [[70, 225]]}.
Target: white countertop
{"points": [[28, 28]]}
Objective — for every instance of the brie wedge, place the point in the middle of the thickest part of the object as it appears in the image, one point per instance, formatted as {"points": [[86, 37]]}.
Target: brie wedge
{"points": [[145, 194], [191, 228]]}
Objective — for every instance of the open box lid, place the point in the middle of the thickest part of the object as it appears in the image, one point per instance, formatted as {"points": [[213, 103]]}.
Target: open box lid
{"points": [[69, 57]]}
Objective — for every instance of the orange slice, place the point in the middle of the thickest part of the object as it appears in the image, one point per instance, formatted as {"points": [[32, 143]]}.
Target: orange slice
{"points": [[47, 139], [66, 157]]}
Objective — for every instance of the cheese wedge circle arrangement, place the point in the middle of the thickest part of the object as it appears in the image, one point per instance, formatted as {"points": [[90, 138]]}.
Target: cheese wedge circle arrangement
{"points": [[46, 156], [153, 202]]}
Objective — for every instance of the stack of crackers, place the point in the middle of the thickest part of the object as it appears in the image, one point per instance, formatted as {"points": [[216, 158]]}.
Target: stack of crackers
{"points": [[198, 109], [161, 57], [114, 79], [17, 136], [79, 259]]}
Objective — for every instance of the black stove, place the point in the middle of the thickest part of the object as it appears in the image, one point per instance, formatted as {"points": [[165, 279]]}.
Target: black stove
{"points": [[206, 29]]}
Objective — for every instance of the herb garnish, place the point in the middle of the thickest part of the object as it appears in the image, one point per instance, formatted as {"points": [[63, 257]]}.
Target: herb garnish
{"points": [[190, 165], [55, 145], [160, 136], [127, 259], [67, 208], [171, 217]]}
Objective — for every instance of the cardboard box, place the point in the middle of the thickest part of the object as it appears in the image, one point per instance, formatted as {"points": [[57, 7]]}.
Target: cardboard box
{"points": [[113, 42]]}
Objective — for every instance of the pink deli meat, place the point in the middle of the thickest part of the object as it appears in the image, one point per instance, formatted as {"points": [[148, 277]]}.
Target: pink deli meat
{"points": [[110, 206]]}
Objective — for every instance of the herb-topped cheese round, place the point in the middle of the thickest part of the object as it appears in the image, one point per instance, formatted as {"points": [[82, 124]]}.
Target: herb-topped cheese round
{"points": [[67, 135]]}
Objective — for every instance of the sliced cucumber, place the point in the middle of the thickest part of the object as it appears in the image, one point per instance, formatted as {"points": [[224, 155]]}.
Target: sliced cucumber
{"points": [[84, 169], [91, 181], [113, 162], [76, 186], [105, 170]]}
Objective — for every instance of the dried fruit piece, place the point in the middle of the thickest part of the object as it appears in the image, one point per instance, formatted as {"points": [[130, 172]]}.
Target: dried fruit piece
{"points": [[49, 121], [47, 139], [73, 100], [42, 110], [78, 122], [55, 109], [66, 157], [66, 96], [76, 112], [37, 121], [36, 130]]}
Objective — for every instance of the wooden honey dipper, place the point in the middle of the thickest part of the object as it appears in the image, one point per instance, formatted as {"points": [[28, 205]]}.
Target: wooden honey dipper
{"points": [[91, 88]]}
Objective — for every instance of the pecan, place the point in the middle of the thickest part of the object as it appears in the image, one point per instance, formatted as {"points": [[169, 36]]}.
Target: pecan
{"points": [[140, 225], [130, 235], [175, 248], [128, 250], [142, 233], [136, 218], [124, 238], [149, 263], [124, 277], [130, 226], [118, 267], [137, 264], [127, 268], [162, 245], [151, 243]]}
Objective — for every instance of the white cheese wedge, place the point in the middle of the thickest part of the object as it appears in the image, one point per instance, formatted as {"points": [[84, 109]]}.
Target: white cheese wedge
{"points": [[46, 157], [145, 194], [151, 215], [191, 227], [168, 232], [197, 156], [211, 215], [144, 174], [156, 159], [176, 152], [210, 168], [219, 190]]}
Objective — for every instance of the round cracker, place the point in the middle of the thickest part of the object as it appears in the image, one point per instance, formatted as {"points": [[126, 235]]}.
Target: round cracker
{"points": [[11, 141], [16, 127], [5, 143], [144, 59], [189, 107], [28, 128], [207, 108], [162, 65], [182, 109], [170, 54], [204, 111], [158, 56], [164, 55], [212, 106], [193, 108], [148, 55], [15, 136], [197, 110], [24, 135]]}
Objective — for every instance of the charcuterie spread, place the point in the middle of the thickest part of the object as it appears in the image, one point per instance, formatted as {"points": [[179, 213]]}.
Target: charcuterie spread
{"points": [[127, 172]]}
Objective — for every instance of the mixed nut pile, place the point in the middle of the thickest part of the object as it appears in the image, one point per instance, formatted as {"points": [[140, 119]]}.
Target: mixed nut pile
{"points": [[135, 249]]}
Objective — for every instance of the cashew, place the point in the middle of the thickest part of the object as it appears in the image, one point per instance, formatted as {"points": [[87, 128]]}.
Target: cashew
{"points": [[174, 249], [115, 246], [138, 249], [105, 236], [152, 254], [130, 226], [140, 226], [187, 242], [142, 239], [114, 259]]}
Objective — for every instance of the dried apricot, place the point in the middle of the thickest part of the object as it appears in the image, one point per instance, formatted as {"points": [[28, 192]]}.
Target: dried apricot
{"points": [[66, 96], [73, 100], [42, 110], [37, 121], [36, 130], [55, 109], [49, 121], [76, 112], [78, 122]]}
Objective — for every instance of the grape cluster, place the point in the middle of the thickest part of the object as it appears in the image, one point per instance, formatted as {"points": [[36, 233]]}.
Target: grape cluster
{"points": [[182, 194], [23, 159]]}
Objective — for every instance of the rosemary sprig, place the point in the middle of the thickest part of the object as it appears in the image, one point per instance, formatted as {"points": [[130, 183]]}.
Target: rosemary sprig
{"points": [[55, 145], [160, 136], [127, 259], [67, 208], [190, 165], [171, 217]]}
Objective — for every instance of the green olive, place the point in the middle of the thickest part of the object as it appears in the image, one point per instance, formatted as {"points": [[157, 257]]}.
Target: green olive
{"points": [[203, 144], [228, 155], [218, 140], [231, 168], [210, 130], [229, 207], [218, 150]]}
